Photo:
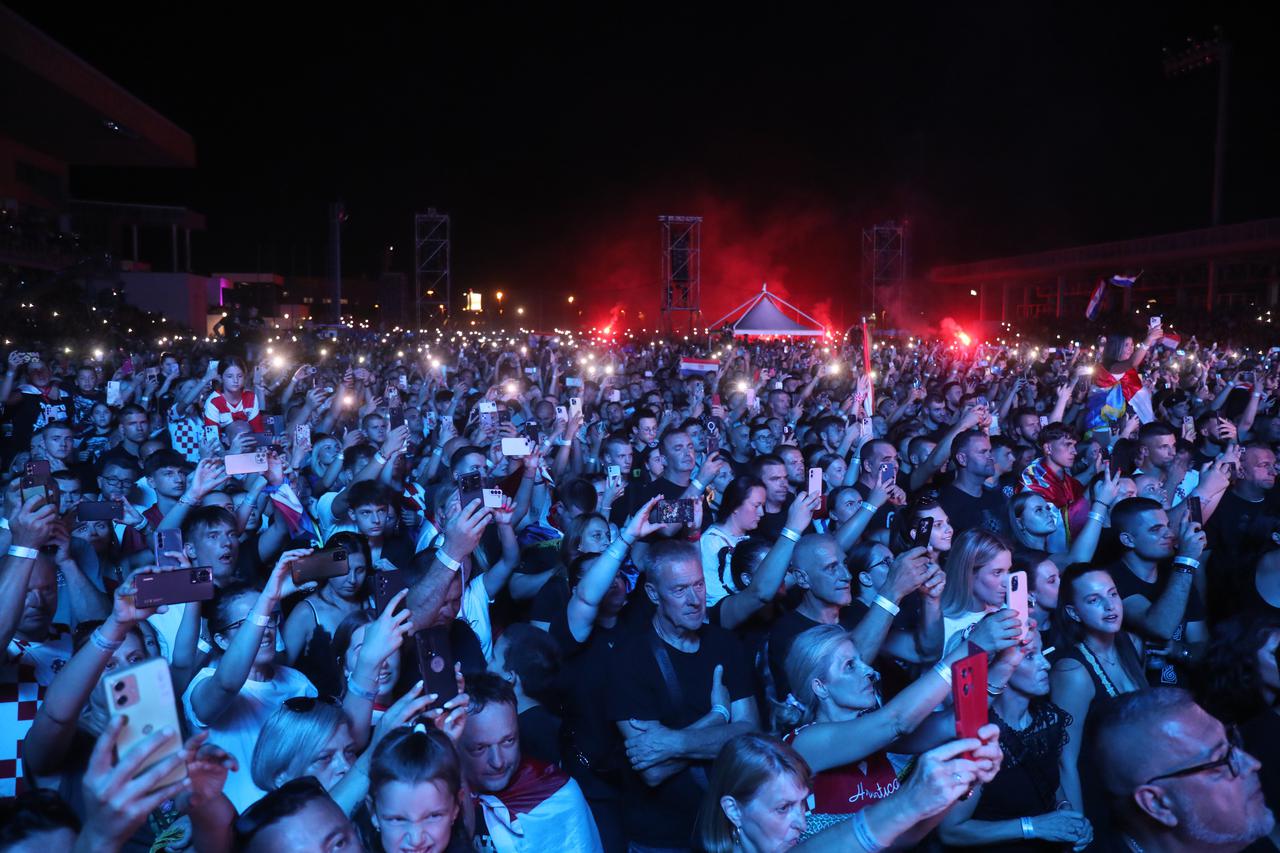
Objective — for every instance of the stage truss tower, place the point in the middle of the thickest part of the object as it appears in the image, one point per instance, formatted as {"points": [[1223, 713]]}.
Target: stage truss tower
{"points": [[884, 258], [432, 285], [681, 270]]}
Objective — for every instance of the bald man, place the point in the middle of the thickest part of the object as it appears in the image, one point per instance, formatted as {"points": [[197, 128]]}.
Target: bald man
{"points": [[1175, 780]]}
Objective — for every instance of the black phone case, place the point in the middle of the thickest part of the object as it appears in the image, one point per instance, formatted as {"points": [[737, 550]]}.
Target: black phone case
{"points": [[99, 511], [320, 566], [435, 663], [386, 586]]}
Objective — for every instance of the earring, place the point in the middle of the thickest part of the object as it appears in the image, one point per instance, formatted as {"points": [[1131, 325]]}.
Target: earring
{"points": [[737, 835]]}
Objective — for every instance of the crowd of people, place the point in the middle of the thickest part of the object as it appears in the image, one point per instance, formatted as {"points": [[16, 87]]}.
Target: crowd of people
{"points": [[434, 593]]}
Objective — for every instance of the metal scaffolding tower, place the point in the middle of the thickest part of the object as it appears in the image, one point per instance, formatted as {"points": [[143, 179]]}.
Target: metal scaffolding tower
{"points": [[884, 257], [432, 285], [681, 269]]}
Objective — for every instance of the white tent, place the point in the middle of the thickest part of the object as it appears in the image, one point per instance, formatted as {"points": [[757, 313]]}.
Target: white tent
{"points": [[763, 314]]}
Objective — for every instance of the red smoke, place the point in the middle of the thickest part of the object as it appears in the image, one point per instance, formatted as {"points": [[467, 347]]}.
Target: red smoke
{"points": [[806, 253]]}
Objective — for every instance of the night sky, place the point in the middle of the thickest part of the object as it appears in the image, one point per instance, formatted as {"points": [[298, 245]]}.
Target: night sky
{"points": [[556, 139]]}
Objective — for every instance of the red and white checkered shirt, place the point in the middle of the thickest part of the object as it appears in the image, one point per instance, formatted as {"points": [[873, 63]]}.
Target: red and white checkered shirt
{"points": [[28, 669], [219, 412]]}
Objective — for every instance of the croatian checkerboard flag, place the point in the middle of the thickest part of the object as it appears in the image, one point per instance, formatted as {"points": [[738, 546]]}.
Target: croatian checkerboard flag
{"points": [[690, 366], [287, 503]]}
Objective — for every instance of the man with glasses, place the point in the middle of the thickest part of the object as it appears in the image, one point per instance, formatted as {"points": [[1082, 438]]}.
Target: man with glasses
{"points": [[1176, 779]]}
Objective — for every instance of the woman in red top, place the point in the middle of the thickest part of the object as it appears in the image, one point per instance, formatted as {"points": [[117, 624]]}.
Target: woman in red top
{"points": [[843, 735], [233, 402]]}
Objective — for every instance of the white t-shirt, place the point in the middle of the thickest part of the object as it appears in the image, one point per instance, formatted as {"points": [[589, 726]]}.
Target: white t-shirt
{"points": [[325, 519], [237, 729], [713, 540], [956, 628], [475, 612]]}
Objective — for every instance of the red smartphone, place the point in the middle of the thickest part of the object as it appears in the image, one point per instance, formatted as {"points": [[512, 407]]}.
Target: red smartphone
{"points": [[969, 693]]}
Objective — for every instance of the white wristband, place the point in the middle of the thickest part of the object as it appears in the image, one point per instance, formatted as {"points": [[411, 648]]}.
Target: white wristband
{"points": [[722, 711], [1187, 561], [1028, 830], [698, 484], [379, 458], [944, 672], [788, 533], [447, 561], [23, 553], [893, 609]]}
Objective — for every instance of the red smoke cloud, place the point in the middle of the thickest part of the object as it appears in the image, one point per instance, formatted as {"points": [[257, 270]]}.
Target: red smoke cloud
{"points": [[806, 252]]}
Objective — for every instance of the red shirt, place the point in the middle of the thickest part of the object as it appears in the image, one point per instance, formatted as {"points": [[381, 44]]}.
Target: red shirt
{"points": [[853, 787]]}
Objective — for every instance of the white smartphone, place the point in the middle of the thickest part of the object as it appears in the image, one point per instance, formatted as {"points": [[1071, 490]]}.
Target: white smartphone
{"points": [[493, 498], [1015, 586], [562, 414], [114, 396], [815, 481], [143, 695], [1154, 321], [519, 446], [246, 463], [575, 406], [614, 473], [211, 433], [487, 406]]}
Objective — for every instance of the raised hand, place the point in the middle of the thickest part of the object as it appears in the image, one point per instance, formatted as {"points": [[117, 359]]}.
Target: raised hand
{"points": [[997, 631], [115, 802]]}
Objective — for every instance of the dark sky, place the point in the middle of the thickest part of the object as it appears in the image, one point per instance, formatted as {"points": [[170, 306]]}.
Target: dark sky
{"points": [[555, 139]]}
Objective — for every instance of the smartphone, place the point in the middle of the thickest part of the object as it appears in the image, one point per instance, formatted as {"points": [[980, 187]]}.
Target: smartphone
{"points": [[302, 435], [969, 693], [38, 470], [275, 424], [887, 474], [922, 532], [211, 434], [143, 695], [531, 430], [34, 489], [672, 512], [1015, 596], [520, 446], [395, 418], [572, 382], [176, 587], [329, 563], [100, 511], [213, 366], [715, 399], [166, 542], [469, 486], [1044, 420], [562, 414], [614, 473], [114, 397], [391, 395], [386, 586], [246, 463], [493, 498], [615, 396], [1196, 510], [1154, 321], [435, 663], [751, 398], [815, 488], [575, 406]]}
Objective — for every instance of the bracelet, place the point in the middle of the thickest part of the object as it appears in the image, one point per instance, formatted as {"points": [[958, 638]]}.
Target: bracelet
{"points": [[141, 526], [560, 442], [944, 672], [352, 687], [22, 552], [698, 484], [869, 507], [862, 833], [379, 458], [1098, 517], [620, 553], [788, 533], [591, 460], [260, 620], [447, 561], [1028, 830], [103, 643], [437, 450], [183, 499], [1103, 505], [623, 538], [1190, 562], [722, 711], [893, 609]]}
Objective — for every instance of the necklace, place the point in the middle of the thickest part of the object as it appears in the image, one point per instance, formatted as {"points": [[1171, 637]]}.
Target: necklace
{"points": [[1114, 660]]}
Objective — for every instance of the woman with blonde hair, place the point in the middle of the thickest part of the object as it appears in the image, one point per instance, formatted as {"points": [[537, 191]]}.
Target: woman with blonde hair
{"points": [[758, 794], [842, 731], [976, 570]]}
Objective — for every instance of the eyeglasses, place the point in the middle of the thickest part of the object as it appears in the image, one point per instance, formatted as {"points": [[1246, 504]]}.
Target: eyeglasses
{"points": [[273, 623], [116, 482], [1235, 749]]}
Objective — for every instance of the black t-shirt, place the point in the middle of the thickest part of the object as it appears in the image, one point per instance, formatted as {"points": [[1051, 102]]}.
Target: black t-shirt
{"points": [[540, 734], [771, 523], [664, 815], [789, 626], [1129, 584], [639, 491], [884, 515], [990, 510], [1233, 527]]}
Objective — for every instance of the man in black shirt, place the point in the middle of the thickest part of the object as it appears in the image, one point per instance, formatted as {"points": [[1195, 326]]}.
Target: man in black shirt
{"points": [[1154, 578], [878, 459], [967, 500], [772, 471], [679, 689]]}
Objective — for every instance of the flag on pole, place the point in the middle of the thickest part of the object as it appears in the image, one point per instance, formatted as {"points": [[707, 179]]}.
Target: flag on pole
{"points": [[866, 368], [1171, 340], [1095, 301], [1124, 280], [690, 366]]}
